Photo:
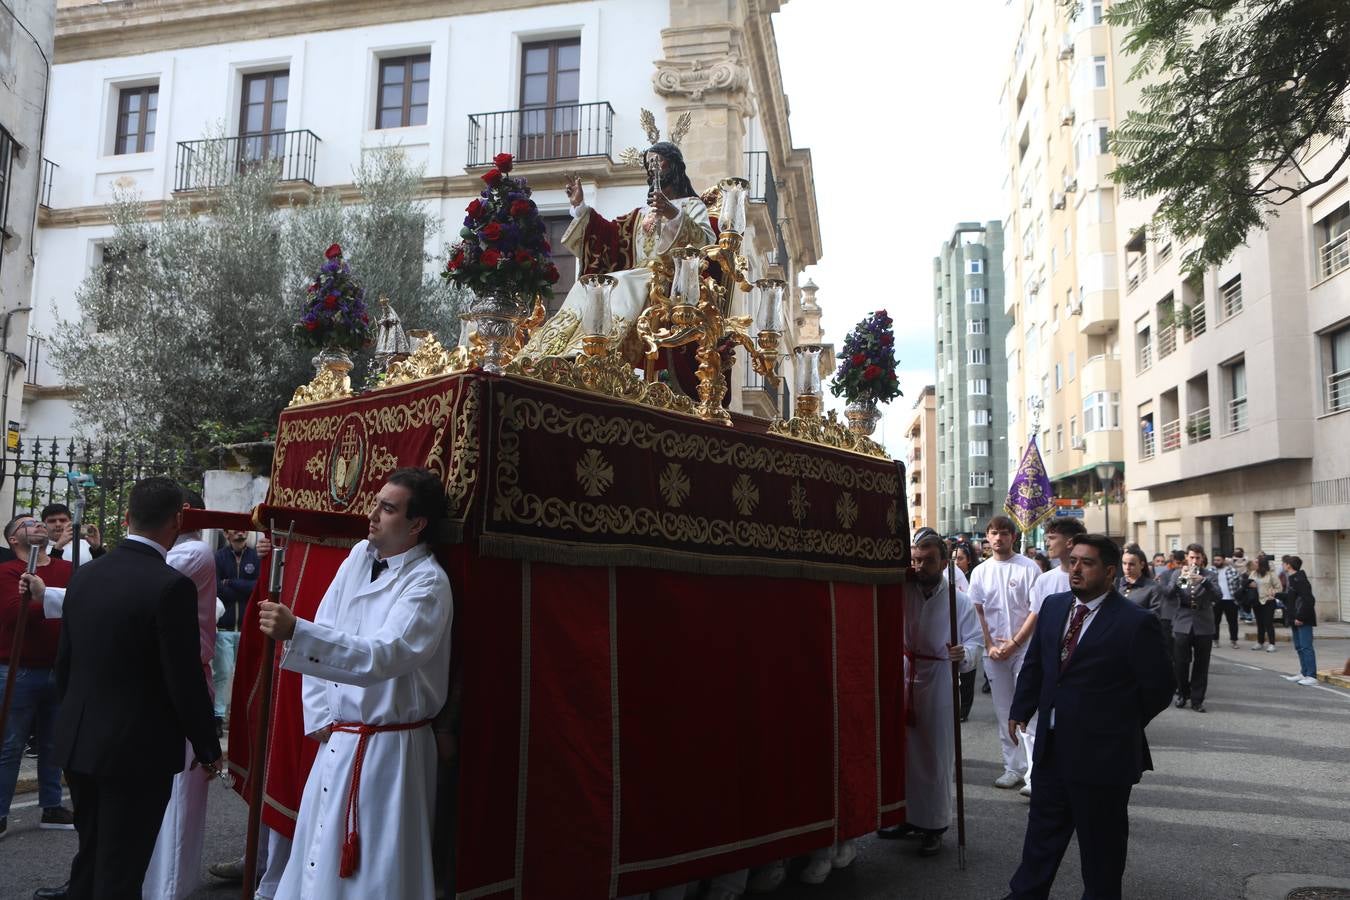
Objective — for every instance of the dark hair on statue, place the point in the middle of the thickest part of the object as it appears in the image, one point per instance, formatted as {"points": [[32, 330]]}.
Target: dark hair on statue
{"points": [[426, 497], [675, 183]]}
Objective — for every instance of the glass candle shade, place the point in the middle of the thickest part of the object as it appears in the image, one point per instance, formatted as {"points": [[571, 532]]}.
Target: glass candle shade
{"points": [[769, 310], [806, 370], [468, 327], [596, 316], [734, 194], [686, 288]]}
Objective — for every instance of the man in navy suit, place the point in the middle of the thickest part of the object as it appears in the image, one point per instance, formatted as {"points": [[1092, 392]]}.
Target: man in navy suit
{"points": [[1097, 672]]}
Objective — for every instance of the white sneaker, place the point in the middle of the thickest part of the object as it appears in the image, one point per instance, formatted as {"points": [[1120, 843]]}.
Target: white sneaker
{"points": [[1026, 790], [1258, 646], [1270, 648], [816, 871], [1306, 680], [844, 854], [1291, 677], [1008, 780], [769, 878]]}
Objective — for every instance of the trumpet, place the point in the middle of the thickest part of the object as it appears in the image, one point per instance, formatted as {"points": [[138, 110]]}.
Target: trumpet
{"points": [[1191, 578]]}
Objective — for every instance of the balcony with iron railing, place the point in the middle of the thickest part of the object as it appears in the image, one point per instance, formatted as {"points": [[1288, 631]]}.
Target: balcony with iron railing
{"points": [[756, 388], [1334, 256], [1144, 356], [1171, 435], [1167, 340], [48, 179], [212, 163], [1193, 322], [1135, 272], [1148, 444], [1338, 391], [1197, 426], [542, 133], [1237, 415]]}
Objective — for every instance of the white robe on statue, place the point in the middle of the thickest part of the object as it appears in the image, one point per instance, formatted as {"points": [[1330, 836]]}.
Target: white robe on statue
{"points": [[561, 335], [175, 867], [929, 750], [377, 653]]}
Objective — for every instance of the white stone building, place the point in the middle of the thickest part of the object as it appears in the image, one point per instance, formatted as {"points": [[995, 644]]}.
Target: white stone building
{"points": [[139, 84]]}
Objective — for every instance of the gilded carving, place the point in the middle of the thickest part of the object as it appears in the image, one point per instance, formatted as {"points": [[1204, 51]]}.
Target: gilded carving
{"points": [[327, 385], [828, 432], [429, 360], [463, 455]]}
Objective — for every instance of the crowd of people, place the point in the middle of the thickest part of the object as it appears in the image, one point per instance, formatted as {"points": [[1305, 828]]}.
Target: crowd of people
{"points": [[1056, 628]]}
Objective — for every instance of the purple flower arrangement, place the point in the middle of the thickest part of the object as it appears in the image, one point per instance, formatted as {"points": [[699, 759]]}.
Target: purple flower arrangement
{"points": [[503, 245], [867, 368], [335, 311]]}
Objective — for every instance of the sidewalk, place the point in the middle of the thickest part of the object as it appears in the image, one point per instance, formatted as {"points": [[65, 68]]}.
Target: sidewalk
{"points": [[1331, 642]]}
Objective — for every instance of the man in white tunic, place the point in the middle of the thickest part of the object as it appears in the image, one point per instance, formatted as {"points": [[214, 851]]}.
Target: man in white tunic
{"points": [[929, 653], [175, 866], [1059, 533], [1000, 588], [376, 666]]}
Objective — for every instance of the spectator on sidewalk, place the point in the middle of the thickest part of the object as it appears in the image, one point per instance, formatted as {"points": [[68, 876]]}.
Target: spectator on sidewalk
{"points": [[965, 562], [1159, 564], [35, 702], [61, 532], [237, 568], [1301, 611], [1194, 590], [1266, 584], [1230, 585]]}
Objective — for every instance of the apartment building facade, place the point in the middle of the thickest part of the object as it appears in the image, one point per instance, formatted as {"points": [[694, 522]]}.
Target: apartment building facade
{"points": [[27, 32], [142, 89], [921, 460], [1060, 258], [971, 396], [1239, 389]]}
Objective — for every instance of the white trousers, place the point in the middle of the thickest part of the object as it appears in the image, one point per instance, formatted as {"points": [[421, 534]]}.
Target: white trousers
{"points": [[1002, 683], [274, 851], [175, 866]]}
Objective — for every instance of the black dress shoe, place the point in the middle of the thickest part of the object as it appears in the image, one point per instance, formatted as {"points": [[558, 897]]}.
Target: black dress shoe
{"points": [[931, 846], [1198, 707], [1181, 702], [895, 832], [56, 893]]}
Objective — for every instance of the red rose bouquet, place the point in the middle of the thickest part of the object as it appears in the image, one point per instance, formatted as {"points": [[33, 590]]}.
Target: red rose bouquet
{"points": [[867, 369], [335, 309], [503, 245]]}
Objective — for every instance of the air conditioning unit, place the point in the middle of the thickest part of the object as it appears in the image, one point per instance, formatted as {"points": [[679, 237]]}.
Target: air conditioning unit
{"points": [[1026, 202], [1057, 200], [1070, 184], [1079, 443], [1076, 308], [1066, 47], [1066, 116]]}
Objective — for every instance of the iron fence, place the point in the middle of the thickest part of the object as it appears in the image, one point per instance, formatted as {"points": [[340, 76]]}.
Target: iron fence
{"points": [[36, 472], [570, 131], [214, 162], [48, 178]]}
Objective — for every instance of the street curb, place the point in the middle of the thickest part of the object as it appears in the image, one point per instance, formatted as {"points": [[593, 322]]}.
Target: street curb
{"points": [[1278, 885], [1335, 679]]}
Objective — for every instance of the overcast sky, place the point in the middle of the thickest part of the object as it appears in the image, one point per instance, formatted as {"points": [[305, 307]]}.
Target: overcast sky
{"points": [[898, 103]]}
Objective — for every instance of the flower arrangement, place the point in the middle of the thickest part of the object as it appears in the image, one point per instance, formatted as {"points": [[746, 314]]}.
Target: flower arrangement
{"points": [[503, 245], [335, 311], [867, 368]]}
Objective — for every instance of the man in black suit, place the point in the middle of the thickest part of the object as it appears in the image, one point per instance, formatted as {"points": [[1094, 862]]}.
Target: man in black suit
{"points": [[131, 686], [1097, 673]]}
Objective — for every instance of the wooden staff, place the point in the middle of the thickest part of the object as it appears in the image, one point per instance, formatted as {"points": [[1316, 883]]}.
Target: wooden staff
{"points": [[956, 722], [258, 759], [16, 646]]}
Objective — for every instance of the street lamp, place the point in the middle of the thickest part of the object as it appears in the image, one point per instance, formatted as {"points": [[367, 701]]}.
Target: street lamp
{"points": [[1106, 472]]}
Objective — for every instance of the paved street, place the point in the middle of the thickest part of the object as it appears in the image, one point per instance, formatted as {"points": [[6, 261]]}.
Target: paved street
{"points": [[1258, 785]]}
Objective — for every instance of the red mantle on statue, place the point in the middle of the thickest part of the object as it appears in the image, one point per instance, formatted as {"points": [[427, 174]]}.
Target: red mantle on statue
{"points": [[678, 644]]}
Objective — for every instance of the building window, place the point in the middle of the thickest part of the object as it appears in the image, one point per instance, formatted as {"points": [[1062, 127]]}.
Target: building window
{"points": [[1073, 428], [979, 479], [1097, 18], [979, 448], [1099, 71], [1101, 411], [978, 326], [1235, 380], [1338, 362], [1072, 364], [1230, 297], [262, 114], [137, 109], [1333, 242], [563, 258], [979, 386], [1059, 438], [974, 267], [981, 416], [405, 86], [975, 295], [979, 356], [6, 166], [1059, 376], [550, 89]]}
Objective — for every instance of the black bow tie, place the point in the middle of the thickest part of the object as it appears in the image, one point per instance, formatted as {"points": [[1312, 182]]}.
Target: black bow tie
{"points": [[377, 566]]}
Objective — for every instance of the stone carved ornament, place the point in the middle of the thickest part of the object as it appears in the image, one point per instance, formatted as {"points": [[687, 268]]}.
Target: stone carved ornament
{"points": [[696, 77]]}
